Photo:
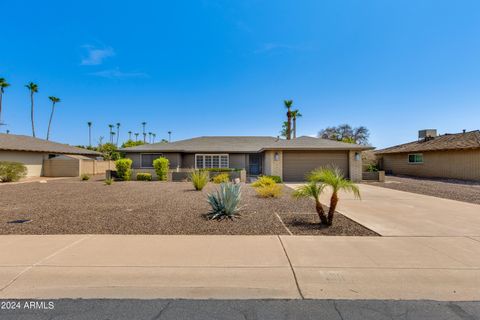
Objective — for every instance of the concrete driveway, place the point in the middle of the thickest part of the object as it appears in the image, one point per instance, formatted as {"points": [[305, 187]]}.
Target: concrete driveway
{"points": [[398, 213]]}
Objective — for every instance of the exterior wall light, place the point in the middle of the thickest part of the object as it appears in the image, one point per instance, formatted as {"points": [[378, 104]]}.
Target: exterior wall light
{"points": [[276, 156], [357, 156]]}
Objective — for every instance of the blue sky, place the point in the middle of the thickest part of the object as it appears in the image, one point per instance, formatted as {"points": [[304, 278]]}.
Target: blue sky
{"points": [[216, 67]]}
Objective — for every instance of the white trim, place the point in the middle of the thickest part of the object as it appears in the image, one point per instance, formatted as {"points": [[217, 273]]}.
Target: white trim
{"points": [[141, 159], [213, 155], [414, 154]]}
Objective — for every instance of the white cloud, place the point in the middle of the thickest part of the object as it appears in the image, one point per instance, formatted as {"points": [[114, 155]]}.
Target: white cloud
{"points": [[117, 74], [95, 56]]}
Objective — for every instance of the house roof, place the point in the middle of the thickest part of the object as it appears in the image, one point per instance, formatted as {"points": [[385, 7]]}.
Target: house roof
{"points": [[457, 141], [235, 144], [13, 142]]}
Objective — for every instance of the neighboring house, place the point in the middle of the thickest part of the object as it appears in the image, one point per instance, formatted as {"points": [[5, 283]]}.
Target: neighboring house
{"points": [[289, 159], [455, 156], [35, 153]]}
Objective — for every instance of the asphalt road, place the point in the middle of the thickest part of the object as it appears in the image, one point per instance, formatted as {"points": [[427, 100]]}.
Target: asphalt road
{"points": [[237, 309]]}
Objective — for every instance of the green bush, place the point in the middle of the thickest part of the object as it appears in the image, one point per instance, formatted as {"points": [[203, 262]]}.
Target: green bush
{"points": [[12, 171], [372, 167], [263, 181], [143, 176], [221, 178], [85, 177], [124, 169], [225, 202], [108, 182], [161, 166], [199, 178], [277, 179]]}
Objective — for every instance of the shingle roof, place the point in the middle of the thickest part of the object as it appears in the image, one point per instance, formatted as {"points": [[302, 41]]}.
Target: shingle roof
{"points": [[457, 141], [15, 142], [245, 144]]}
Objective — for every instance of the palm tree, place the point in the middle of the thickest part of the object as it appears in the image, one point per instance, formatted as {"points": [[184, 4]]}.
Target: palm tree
{"points": [[154, 135], [169, 136], [33, 87], [129, 135], [111, 132], [313, 190], [295, 114], [118, 132], [149, 137], [144, 134], [288, 105], [333, 177], [89, 124], [54, 100], [8, 131], [3, 85], [136, 136]]}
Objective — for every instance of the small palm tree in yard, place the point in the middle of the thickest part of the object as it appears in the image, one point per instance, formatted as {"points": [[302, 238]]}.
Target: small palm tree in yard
{"points": [[313, 190], [333, 177]]}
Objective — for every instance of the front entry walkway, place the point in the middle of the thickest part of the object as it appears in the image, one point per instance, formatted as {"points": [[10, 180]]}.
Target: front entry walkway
{"points": [[398, 213]]}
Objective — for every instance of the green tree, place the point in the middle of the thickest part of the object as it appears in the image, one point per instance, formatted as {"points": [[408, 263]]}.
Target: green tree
{"points": [[3, 84], [295, 114], [118, 132], [131, 143], [346, 133], [333, 177], [288, 104], [284, 130], [54, 100], [313, 190], [33, 88], [109, 151], [144, 133], [89, 124], [129, 135], [111, 126]]}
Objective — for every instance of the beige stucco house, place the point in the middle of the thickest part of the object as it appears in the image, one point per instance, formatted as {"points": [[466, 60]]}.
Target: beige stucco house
{"points": [[289, 159], [454, 156], [36, 153]]}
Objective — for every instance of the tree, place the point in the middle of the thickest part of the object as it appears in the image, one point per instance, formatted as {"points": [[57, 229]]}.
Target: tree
{"points": [[346, 133], [131, 143], [33, 88], [118, 132], [3, 84], [89, 124], [129, 135], [109, 151], [144, 134], [54, 100], [288, 105], [136, 136], [149, 137], [313, 190], [284, 130], [169, 136], [333, 177], [153, 136], [110, 126], [295, 114]]}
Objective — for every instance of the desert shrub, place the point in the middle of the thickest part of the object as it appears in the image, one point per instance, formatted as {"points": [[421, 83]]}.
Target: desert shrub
{"points": [[225, 202], [108, 182], [143, 176], [161, 166], [124, 169], [269, 191], [263, 181], [85, 177], [221, 178], [277, 179], [199, 178], [372, 167], [12, 171]]}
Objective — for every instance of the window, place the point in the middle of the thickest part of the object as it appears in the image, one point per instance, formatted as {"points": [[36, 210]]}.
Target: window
{"points": [[147, 159], [415, 158], [211, 161]]}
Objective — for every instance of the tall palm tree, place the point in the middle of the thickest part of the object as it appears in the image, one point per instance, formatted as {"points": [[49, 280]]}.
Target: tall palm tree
{"points": [[129, 135], [136, 136], [111, 132], [313, 190], [295, 114], [169, 136], [8, 131], [33, 87], [149, 137], [89, 124], [118, 132], [144, 134], [288, 105], [3, 84], [54, 100], [333, 177], [153, 136]]}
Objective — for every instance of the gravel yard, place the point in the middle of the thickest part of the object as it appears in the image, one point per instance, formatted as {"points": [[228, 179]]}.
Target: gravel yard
{"points": [[71, 206], [466, 191]]}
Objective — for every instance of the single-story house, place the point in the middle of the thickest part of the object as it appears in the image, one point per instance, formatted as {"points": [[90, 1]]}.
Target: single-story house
{"points": [[289, 159], [454, 156], [35, 153]]}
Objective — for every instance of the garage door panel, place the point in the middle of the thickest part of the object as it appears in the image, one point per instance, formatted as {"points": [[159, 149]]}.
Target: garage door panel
{"points": [[297, 164]]}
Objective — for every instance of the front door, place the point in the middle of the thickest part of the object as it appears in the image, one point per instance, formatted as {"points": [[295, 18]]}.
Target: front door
{"points": [[254, 164]]}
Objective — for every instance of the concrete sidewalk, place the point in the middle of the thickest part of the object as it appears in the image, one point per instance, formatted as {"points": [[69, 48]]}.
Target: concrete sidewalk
{"points": [[239, 267]]}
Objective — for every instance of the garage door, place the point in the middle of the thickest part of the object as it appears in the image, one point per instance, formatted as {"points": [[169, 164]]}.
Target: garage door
{"points": [[296, 164]]}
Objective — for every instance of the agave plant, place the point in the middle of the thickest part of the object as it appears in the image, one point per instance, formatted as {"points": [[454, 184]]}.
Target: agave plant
{"points": [[225, 202]]}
